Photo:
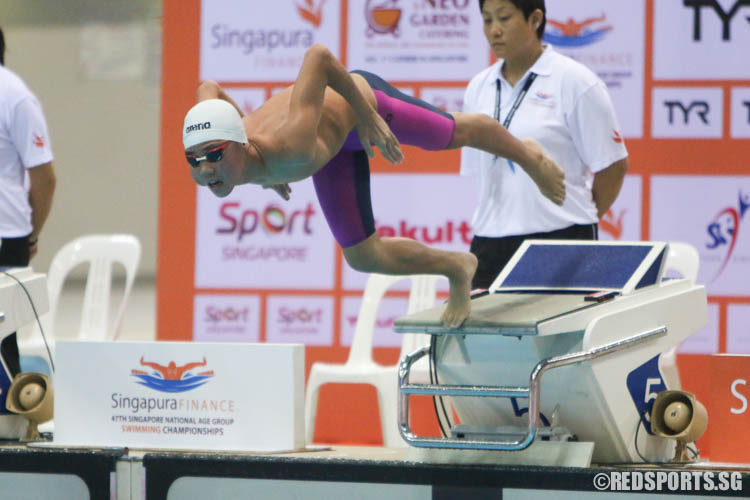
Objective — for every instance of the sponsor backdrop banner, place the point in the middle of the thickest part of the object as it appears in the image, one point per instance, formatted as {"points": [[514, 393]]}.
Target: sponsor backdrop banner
{"points": [[689, 113], [715, 226], [712, 34], [252, 267], [253, 239], [608, 37], [300, 319], [247, 42], [226, 318], [416, 40]]}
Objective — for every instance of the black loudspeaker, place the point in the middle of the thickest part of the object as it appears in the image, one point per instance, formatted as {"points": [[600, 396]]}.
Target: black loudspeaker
{"points": [[31, 395], [678, 415]]}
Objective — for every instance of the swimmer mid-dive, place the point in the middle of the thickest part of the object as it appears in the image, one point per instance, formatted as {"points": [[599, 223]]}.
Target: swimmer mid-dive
{"points": [[325, 126]]}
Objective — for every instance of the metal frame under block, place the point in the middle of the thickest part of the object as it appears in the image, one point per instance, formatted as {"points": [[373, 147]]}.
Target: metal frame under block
{"points": [[532, 392]]}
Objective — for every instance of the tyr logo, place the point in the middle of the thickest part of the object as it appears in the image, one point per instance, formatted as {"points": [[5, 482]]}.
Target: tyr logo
{"points": [[701, 109], [725, 16]]}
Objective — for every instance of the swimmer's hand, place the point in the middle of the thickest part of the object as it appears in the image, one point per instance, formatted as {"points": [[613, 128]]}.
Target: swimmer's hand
{"points": [[282, 189], [375, 131]]}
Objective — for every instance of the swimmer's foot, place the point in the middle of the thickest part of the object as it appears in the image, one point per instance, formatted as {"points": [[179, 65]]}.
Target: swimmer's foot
{"points": [[547, 175], [459, 303]]}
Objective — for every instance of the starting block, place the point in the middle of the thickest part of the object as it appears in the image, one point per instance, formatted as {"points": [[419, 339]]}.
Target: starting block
{"points": [[566, 346]]}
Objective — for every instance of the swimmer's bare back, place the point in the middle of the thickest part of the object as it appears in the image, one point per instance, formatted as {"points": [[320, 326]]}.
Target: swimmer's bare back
{"points": [[268, 129]]}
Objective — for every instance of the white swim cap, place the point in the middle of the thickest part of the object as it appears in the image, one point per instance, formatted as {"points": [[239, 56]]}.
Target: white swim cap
{"points": [[212, 120]]}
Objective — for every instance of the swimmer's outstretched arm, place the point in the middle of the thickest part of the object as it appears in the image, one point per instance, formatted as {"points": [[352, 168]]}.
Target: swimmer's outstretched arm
{"points": [[320, 69], [209, 89]]}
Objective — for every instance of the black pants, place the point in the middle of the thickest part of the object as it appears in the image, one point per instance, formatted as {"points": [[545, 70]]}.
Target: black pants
{"points": [[14, 252], [494, 253]]}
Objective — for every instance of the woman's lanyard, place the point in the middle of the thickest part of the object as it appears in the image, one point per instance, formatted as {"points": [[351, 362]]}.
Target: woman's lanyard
{"points": [[519, 99], [516, 104]]}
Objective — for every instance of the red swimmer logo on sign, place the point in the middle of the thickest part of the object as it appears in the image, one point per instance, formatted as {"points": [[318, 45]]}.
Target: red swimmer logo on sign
{"points": [[170, 377], [573, 33]]}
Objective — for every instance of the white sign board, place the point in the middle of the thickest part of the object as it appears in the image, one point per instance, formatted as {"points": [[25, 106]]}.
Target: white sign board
{"points": [[687, 113], [710, 213], [226, 318], [245, 41], [701, 39], [254, 239], [180, 395], [608, 37], [300, 319], [415, 40]]}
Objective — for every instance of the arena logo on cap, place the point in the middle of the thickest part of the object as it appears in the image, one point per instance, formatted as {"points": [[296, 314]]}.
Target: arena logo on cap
{"points": [[383, 17], [272, 219], [170, 377], [573, 33], [197, 126], [724, 229]]}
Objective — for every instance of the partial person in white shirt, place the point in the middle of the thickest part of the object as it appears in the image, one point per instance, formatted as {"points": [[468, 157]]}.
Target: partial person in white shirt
{"points": [[540, 94], [27, 179]]}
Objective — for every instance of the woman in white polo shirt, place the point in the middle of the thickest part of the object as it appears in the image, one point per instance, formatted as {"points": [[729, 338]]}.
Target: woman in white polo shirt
{"points": [[538, 93]]}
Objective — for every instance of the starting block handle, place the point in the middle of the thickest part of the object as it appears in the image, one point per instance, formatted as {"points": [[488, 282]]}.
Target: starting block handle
{"points": [[532, 392]]}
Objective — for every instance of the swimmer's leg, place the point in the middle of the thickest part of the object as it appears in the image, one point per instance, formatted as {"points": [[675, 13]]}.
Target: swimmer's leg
{"points": [[343, 189], [406, 256], [413, 121], [482, 132], [418, 123]]}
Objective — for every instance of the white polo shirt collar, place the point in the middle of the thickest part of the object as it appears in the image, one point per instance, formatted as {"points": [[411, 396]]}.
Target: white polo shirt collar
{"points": [[542, 66]]}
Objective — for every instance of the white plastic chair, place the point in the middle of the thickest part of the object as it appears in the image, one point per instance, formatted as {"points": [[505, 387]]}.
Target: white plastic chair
{"points": [[360, 367], [684, 259], [101, 251]]}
